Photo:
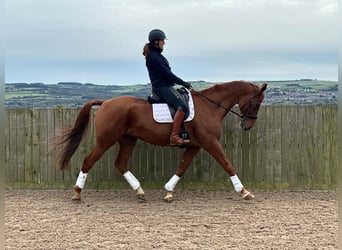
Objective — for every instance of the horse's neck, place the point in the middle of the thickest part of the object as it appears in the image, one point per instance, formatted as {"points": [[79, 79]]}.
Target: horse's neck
{"points": [[227, 94]]}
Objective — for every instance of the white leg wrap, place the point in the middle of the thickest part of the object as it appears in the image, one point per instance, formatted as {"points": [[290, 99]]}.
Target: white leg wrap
{"points": [[130, 178], [81, 179], [236, 183], [170, 185]]}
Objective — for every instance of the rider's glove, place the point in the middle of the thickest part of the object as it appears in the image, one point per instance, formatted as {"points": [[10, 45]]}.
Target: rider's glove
{"points": [[187, 85]]}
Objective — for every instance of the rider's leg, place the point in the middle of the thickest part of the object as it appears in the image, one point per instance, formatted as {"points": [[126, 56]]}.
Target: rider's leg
{"points": [[177, 123], [172, 97]]}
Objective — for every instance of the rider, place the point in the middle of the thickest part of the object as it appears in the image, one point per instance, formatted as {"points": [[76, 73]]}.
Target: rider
{"points": [[163, 81]]}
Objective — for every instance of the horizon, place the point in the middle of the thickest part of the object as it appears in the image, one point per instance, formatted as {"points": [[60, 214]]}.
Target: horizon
{"points": [[195, 81]]}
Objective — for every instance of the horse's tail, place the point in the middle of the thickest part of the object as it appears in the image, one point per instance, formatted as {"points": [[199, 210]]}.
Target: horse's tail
{"points": [[72, 137]]}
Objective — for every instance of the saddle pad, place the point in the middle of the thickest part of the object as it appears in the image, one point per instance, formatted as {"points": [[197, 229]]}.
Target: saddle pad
{"points": [[162, 114]]}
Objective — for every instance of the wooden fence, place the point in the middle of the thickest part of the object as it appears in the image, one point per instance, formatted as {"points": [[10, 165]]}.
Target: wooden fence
{"points": [[288, 148]]}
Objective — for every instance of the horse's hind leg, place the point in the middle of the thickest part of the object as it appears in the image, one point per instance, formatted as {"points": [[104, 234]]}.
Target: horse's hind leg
{"points": [[88, 163], [127, 144]]}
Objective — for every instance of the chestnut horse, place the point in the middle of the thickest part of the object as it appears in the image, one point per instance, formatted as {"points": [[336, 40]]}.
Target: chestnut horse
{"points": [[126, 118]]}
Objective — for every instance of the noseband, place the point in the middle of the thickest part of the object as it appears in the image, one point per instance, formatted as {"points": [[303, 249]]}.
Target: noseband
{"points": [[247, 115], [244, 116]]}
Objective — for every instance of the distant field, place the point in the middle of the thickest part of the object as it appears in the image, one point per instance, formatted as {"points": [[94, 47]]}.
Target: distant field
{"points": [[72, 94], [128, 89], [313, 84], [17, 94]]}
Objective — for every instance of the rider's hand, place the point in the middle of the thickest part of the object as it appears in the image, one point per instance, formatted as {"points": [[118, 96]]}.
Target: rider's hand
{"points": [[187, 85]]}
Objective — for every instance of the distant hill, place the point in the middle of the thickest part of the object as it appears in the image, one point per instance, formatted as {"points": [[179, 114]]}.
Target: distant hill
{"points": [[75, 94]]}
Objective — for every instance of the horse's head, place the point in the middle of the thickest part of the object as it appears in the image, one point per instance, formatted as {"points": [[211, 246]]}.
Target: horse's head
{"points": [[249, 106]]}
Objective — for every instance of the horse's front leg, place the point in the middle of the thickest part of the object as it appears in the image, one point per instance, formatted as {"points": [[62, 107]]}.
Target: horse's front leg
{"points": [[217, 152], [183, 166]]}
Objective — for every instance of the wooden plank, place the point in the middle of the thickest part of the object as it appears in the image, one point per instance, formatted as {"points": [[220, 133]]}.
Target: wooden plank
{"points": [[290, 146], [330, 148], [157, 162], [20, 145], [169, 168], [28, 146], [51, 156], [286, 143], [58, 116], [268, 146], [7, 140], [163, 166], [44, 145], [309, 137], [288, 122], [146, 158], [261, 127], [210, 169], [12, 164], [253, 155], [276, 145], [245, 163], [36, 146]]}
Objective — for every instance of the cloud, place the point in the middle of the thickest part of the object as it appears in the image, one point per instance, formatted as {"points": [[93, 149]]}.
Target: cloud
{"points": [[106, 32]]}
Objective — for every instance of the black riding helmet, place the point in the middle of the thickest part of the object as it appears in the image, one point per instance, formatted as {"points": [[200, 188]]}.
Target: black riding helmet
{"points": [[156, 34]]}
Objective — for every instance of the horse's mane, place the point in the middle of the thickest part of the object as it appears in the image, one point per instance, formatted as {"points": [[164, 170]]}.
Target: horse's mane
{"points": [[227, 86]]}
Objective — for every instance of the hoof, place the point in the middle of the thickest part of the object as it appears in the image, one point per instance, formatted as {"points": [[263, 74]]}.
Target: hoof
{"points": [[76, 197], [77, 194], [246, 195], [169, 197], [141, 195]]}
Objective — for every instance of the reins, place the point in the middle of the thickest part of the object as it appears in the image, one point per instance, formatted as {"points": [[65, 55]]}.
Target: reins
{"points": [[226, 109]]}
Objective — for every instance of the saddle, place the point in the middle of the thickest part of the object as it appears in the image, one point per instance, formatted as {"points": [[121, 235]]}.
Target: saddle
{"points": [[164, 113]]}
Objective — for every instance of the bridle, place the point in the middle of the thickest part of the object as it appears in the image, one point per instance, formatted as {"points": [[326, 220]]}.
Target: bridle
{"points": [[247, 115], [244, 116]]}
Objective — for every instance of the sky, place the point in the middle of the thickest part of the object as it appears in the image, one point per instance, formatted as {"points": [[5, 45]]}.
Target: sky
{"points": [[101, 41]]}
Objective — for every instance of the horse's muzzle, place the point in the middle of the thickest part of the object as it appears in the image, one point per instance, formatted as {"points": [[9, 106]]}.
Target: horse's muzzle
{"points": [[246, 124]]}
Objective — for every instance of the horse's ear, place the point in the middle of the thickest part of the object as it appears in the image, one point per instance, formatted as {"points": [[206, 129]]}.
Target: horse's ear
{"points": [[263, 87]]}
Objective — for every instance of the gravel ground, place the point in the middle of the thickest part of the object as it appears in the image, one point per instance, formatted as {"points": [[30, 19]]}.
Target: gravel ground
{"points": [[37, 219]]}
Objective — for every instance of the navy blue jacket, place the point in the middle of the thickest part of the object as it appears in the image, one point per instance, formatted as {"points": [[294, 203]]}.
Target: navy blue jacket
{"points": [[159, 70]]}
